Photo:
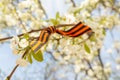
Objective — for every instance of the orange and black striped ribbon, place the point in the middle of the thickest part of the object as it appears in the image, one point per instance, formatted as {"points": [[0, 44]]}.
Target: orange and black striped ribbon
{"points": [[77, 30]]}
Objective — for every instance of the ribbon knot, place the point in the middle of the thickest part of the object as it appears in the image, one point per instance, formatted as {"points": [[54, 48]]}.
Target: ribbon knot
{"points": [[76, 31]]}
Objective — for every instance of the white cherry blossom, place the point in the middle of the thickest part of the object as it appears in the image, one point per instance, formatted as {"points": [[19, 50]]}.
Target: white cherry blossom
{"points": [[23, 43]]}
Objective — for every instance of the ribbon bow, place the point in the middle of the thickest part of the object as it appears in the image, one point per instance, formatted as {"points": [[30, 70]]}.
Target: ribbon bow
{"points": [[76, 31]]}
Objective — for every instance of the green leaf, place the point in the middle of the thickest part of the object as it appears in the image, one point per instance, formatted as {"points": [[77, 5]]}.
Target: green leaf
{"points": [[92, 38], [26, 36], [57, 15], [30, 58], [77, 11], [103, 20], [112, 2], [38, 56], [104, 32], [1, 4], [54, 21], [87, 49]]}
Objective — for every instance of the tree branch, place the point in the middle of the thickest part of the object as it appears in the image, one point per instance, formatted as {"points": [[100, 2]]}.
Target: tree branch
{"points": [[58, 26]]}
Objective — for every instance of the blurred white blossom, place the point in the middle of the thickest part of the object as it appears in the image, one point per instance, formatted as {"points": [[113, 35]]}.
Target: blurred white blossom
{"points": [[34, 34], [57, 55], [15, 51], [85, 15], [22, 62], [82, 66], [117, 60], [25, 4], [90, 73], [44, 23], [67, 57], [14, 42], [108, 64], [38, 13], [94, 78], [118, 67], [69, 18], [107, 70], [77, 68], [116, 44], [10, 20], [1, 36], [109, 50]]}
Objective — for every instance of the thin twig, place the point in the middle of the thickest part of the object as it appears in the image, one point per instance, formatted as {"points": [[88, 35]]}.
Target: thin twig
{"points": [[58, 26], [9, 77], [90, 66], [52, 55], [76, 76], [12, 72], [99, 57], [74, 5]]}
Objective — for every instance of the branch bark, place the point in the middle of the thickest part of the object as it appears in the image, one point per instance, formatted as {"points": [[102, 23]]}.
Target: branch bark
{"points": [[9, 77], [58, 26]]}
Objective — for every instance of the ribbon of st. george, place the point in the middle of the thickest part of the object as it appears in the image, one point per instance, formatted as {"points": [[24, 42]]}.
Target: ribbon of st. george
{"points": [[77, 30]]}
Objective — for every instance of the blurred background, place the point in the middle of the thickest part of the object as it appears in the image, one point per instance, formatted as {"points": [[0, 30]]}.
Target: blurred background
{"points": [[53, 69]]}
